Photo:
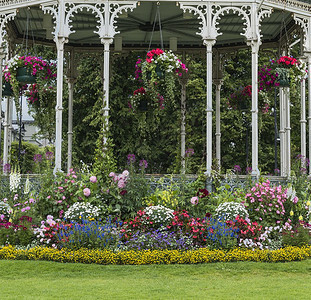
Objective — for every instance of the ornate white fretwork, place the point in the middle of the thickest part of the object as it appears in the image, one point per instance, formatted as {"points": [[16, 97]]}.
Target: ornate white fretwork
{"points": [[291, 4], [305, 24], [3, 20], [106, 14], [243, 12]]}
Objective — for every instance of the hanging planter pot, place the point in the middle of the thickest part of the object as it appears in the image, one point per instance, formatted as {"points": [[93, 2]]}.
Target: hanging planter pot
{"points": [[283, 77], [243, 105], [159, 72], [7, 89], [143, 104], [24, 76]]}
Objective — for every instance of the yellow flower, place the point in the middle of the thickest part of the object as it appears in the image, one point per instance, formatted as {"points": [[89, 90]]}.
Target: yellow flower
{"points": [[79, 217], [300, 218], [308, 203], [291, 213]]}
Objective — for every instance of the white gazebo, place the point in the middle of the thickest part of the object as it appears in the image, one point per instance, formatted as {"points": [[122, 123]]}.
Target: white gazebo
{"points": [[214, 26]]}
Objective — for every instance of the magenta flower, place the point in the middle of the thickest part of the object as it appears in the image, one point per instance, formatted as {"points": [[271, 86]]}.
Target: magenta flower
{"points": [[49, 155], [131, 159], [143, 164], [37, 158], [189, 152]]}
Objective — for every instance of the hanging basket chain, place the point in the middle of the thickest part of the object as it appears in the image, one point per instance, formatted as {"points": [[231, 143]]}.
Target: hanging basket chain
{"points": [[157, 17]]}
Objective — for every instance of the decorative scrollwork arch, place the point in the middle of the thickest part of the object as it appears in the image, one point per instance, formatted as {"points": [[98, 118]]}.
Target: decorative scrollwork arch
{"points": [[198, 11], [243, 11], [305, 24], [3, 20], [264, 13], [97, 10], [52, 10], [116, 10]]}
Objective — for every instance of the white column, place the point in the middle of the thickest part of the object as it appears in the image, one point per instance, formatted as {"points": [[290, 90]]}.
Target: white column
{"points": [[71, 80], [6, 135], [309, 103], [59, 104], [282, 132], [255, 48], [106, 42], [183, 83], [218, 83], [287, 131], [303, 120], [209, 104]]}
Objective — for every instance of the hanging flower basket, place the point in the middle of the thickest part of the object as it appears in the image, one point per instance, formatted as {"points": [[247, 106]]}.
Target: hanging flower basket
{"points": [[241, 99], [24, 75], [30, 75], [158, 73], [143, 104], [7, 89], [142, 100]]}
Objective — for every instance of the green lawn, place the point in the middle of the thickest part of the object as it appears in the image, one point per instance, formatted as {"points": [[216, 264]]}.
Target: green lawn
{"points": [[242, 280]]}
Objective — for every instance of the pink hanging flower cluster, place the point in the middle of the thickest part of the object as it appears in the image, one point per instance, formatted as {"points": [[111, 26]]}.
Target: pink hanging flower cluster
{"points": [[267, 79], [44, 71], [287, 61], [140, 91], [151, 54], [158, 68], [138, 71]]}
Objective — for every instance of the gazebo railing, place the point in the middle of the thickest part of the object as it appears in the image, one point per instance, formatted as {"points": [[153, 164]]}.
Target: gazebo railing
{"points": [[157, 181]]}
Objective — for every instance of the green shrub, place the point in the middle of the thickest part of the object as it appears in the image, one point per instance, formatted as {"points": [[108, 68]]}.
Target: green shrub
{"points": [[298, 236], [28, 151]]}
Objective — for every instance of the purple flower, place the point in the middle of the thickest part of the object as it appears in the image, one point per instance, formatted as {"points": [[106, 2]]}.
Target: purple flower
{"points": [[49, 155], [248, 170], [237, 169], [143, 164], [131, 159], [37, 158], [189, 152], [7, 168], [276, 171]]}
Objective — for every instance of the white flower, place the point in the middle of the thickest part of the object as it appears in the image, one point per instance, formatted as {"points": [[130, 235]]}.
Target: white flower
{"points": [[27, 186], [15, 179]]}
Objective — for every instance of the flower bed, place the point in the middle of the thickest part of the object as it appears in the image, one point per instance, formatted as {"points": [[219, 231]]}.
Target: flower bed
{"points": [[148, 257], [118, 216]]}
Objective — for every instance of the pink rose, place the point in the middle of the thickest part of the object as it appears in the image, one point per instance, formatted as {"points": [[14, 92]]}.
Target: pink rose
{"points": [[194, 200], [93, 179], [87, 192]]}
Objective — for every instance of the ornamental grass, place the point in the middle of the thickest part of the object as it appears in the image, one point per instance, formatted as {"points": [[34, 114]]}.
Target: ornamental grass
{"points": [[147, 257]]}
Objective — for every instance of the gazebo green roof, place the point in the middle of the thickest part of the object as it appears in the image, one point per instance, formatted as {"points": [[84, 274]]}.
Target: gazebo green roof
{"points": [[136, 27]]}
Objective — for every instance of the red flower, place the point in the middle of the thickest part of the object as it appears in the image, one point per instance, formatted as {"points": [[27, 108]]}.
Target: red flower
{"points": [[202, 193]]}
